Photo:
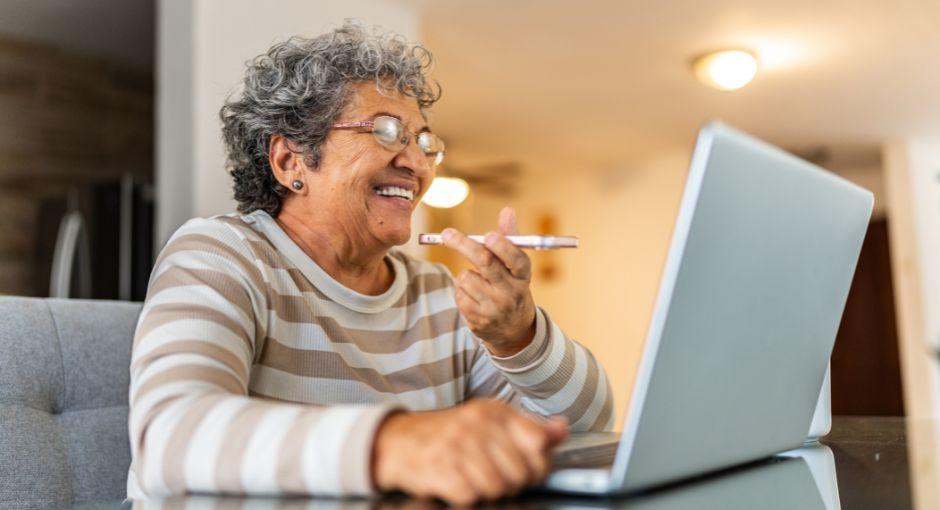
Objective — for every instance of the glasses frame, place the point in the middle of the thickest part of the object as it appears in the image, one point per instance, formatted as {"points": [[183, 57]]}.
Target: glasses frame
{"points": [[435, 157]]}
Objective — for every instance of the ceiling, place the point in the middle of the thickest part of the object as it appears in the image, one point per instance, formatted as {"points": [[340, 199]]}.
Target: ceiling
{"points": [[121, 31], [589, 84]]}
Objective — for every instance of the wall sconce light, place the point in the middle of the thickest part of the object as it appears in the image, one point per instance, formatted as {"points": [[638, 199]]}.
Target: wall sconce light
{"points": [[446, 192], [726, 70]]}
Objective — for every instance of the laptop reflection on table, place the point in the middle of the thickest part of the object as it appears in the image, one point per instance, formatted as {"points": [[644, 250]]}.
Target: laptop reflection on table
{"points": [[804, 479]]}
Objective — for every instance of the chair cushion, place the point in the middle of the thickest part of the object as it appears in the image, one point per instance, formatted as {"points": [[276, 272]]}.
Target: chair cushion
{"points": [[63, 400]]}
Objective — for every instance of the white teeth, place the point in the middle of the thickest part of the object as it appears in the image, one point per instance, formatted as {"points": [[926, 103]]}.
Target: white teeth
{"points": [[395, 191]]}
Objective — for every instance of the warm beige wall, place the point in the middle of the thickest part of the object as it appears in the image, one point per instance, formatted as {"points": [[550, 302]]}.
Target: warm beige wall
{"points": [[604, 291]]}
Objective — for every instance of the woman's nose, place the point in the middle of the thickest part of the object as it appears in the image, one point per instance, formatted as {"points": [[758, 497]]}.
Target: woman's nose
{"points": [[413, 158]]}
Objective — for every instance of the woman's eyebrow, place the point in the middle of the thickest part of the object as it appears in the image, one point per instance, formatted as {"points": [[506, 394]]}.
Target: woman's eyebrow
{"points": [[424, 127], [386, 114]]}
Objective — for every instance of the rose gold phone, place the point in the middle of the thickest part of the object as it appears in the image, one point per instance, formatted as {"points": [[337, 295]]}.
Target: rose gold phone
{"points": [[532, 242]]}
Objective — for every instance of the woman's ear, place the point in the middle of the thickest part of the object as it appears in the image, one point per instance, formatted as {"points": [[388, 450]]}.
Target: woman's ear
{"points": [[287, 164]]}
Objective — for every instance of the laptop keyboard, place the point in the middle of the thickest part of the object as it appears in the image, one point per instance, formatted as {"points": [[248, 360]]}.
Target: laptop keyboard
{"points": [[587, 450]]}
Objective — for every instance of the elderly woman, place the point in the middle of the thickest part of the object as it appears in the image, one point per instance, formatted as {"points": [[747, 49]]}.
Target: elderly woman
{"points": [[290, 348]]}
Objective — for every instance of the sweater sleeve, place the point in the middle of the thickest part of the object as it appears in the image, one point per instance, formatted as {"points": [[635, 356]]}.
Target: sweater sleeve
{"points": [[553, 375], [193, 426]]}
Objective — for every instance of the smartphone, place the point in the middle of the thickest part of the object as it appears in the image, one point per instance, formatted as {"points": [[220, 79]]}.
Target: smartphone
{"points": [[532, 242]]}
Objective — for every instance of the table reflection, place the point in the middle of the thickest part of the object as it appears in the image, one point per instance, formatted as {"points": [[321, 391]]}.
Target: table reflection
{"points": [[803, 478]]}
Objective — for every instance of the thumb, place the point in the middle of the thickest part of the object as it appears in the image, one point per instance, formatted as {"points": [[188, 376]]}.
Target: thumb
{"points": [[507, 221], [557, 428]]}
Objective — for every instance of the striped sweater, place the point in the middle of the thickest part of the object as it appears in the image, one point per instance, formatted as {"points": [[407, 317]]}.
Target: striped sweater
{"points": [[255, 372]]}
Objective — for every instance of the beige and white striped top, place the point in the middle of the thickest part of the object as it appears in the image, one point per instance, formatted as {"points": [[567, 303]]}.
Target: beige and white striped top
{"points": [[255, 372]]}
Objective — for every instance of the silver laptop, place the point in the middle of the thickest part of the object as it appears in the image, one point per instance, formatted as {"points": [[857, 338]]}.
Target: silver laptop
{"points": [[751, 296]]}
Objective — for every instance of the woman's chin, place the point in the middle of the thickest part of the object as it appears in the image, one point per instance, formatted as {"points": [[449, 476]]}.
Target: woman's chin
{"points": [[391, 220], [392, 236]]}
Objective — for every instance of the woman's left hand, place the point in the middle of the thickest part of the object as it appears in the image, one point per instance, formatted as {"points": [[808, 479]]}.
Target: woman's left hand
{"points": [[494, 297]]}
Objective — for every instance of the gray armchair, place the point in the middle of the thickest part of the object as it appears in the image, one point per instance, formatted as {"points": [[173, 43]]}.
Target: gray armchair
{"points": [[63, 400]]}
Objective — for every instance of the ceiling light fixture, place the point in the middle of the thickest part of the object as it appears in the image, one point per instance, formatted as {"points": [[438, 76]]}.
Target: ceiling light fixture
{"points": [[446, 192], [726, 70]]}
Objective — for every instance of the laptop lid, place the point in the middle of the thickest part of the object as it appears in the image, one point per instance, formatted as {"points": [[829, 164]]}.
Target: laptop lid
{"points": [[762, 256]]}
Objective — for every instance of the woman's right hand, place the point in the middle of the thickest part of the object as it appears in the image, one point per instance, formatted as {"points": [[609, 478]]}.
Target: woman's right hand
{"points": [[479, 451]]}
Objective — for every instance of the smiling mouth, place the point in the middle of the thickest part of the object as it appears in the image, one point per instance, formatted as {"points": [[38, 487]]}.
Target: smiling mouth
{"points": [[395, 192]]}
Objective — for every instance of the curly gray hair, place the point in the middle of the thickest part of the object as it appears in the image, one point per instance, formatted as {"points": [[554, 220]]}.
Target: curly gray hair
{"points": [[299, 88]]}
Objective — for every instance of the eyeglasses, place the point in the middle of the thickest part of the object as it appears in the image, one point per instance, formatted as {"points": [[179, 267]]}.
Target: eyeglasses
{"points": [[392, 134]]}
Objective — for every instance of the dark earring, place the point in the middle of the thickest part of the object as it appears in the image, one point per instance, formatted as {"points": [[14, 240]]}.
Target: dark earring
{"points": [[297, 185]]}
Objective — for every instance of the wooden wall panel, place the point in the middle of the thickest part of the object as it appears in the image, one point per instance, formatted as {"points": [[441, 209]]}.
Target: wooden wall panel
{"points": [[65, 121]]}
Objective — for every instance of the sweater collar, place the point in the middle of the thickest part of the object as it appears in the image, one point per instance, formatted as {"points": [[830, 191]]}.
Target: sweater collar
{"points": [[321, 279]]}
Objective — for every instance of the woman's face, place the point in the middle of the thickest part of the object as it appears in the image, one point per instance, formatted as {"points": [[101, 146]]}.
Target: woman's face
{"points": [[354, 168]]}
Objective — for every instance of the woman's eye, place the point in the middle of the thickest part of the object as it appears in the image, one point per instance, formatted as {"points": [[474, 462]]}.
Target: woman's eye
{"points": [[387, 129], [423, 140], [428, 142], [388, 137]]}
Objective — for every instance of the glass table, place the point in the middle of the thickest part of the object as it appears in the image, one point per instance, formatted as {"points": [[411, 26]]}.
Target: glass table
{"points": [[862, 464]]}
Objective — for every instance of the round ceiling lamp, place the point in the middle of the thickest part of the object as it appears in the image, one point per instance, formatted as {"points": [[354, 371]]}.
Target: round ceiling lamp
{"points": [[726, 70], [446, 192]]}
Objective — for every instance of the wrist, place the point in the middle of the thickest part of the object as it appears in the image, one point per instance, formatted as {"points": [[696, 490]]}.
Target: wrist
{"points": [[383, 447], [513, 346]]}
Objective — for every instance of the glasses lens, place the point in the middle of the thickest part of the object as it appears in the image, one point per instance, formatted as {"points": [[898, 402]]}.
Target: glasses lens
{"points": [[432, 146], [390, 133]]}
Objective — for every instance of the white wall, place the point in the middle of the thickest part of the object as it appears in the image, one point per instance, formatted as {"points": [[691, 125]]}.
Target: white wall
{"points": [[202, 48], [174, 117], [923, 165]]}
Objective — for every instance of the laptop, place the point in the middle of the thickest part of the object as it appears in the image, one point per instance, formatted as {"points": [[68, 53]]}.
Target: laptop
{"points": [[759, 267]]}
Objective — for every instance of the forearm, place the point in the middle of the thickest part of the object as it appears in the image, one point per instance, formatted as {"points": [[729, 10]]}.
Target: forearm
{"points": [[557, 376], [222, 443]]}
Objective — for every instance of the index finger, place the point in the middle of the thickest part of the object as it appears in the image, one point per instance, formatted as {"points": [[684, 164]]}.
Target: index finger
{"points": [[534, 442], [507, 221], [515, 260], [480, 256]]}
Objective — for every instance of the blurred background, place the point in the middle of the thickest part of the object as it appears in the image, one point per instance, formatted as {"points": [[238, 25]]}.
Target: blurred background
{"points": [[580, 115]]}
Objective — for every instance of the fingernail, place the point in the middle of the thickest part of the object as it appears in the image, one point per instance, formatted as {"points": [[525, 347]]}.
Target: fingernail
{"points": [[447, 234]]}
